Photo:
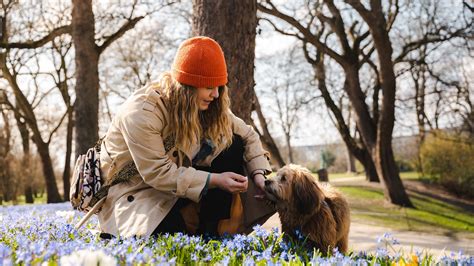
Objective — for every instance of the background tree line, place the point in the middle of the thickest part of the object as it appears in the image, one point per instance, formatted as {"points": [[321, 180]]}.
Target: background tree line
{"points": [[376, 66]]}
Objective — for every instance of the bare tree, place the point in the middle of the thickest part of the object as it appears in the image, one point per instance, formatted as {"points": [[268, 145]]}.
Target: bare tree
{"points": [[353, 35], [60, 53], [87, 60], [435, 87], [287, 91], [354, 146], [25, 175], [266, 137], [53, 35], [11, 63]]}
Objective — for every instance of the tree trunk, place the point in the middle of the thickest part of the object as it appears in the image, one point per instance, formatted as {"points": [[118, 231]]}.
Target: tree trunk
{"points": [[369, 166], [87, 76], [28, 191], [359, 151], [51, 187], [26, 174], [5, 177], [30, 118], [267, 139], [351, 168], [418, 73], [382, 152], [232, 24], [290, 150], [67, 161]]}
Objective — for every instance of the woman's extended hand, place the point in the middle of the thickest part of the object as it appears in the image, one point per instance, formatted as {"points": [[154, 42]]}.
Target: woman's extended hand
{"points": [[259, 180], [229, 181]]}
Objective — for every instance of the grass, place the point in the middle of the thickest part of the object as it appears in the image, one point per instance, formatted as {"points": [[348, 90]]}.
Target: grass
{"points": [[403, 175], [429, 215], [21, 200], [333, 176]]}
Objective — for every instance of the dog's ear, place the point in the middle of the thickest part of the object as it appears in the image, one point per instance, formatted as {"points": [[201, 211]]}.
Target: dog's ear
{"points": [[305, 194]]}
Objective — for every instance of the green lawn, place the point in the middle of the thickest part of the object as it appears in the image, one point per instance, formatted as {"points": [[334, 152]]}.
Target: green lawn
{"points": [[333, 176], [429, 215]]}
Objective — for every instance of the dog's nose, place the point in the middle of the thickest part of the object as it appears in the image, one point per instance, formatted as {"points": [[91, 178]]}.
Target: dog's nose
{"points": [[267, 182]]}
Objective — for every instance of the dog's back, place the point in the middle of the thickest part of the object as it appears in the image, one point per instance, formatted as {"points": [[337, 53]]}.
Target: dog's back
{"points": [[341, 212]]}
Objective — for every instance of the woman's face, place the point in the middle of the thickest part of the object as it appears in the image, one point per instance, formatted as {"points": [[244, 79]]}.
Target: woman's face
{"points": [[205, 96]]}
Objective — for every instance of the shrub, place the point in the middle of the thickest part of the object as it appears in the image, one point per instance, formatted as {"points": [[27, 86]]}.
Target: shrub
{"points": [[404, 165], [327, 159], [448, 160]]}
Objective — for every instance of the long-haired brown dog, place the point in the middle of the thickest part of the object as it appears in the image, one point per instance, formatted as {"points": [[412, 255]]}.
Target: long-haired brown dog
{"points": [[319, 213]]}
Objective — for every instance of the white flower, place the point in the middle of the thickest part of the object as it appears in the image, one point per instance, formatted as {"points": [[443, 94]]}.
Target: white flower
{"points": [[86, 258], [67, 215]]}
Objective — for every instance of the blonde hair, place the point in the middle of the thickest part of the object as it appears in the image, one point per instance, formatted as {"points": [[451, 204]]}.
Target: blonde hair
{"points": [[188, 123]]}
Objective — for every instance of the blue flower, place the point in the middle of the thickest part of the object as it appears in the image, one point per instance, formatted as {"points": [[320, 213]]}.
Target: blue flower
{"points": [[381, 253]]}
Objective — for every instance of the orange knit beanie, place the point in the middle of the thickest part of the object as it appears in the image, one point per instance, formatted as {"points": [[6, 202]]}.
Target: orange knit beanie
{"points": [[200, 63]]}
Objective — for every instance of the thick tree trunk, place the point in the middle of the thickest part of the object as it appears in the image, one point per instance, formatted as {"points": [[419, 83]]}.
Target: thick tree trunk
{"points": [[67, 161], [369, 166], [359, 151], [378, 139], [233, 25], [87, 76], [267, 139], [382, 152], [384, 159]]}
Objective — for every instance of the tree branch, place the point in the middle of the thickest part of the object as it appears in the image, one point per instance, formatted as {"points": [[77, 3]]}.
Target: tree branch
{"points": [[119, 33], [58, 125], [36, 44], [337, 25], [308, 35], [364, 12], [428, 38]]}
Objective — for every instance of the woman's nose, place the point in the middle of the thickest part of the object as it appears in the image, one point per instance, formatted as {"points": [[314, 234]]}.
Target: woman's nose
{"points": [[215, 92]]}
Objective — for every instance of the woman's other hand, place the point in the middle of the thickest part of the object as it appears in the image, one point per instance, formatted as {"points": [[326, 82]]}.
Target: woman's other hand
{"points": [[229, 181], [259, 180]]}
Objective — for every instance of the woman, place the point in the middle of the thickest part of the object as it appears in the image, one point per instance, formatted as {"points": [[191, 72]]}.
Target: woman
{"points": [[185, 154]]}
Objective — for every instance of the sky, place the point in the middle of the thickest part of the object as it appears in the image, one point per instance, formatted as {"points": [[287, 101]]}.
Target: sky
{"points": [[314, 127]]}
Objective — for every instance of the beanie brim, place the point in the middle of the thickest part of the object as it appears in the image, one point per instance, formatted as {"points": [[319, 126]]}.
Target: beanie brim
{"points": [[198, 81]]}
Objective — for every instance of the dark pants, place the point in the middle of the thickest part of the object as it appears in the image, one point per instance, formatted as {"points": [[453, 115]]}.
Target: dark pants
{"points": [[215, 205]]}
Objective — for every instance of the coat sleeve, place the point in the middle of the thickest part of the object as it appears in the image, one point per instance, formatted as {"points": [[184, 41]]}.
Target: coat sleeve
{"points": [[255, 156], [141, 131]]}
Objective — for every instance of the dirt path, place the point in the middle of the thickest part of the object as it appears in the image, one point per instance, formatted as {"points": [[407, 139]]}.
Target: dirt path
{"points": [[363, 237]]}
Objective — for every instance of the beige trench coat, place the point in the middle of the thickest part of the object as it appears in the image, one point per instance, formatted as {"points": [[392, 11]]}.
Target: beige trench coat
{"points": [[140, 132]]}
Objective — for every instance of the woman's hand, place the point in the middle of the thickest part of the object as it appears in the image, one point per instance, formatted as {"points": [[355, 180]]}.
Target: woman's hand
{"points": [[229, 181], [259, 180]]}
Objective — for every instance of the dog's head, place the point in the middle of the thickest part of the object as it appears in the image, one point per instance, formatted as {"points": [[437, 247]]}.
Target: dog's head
{"points": [[294, 189]]}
